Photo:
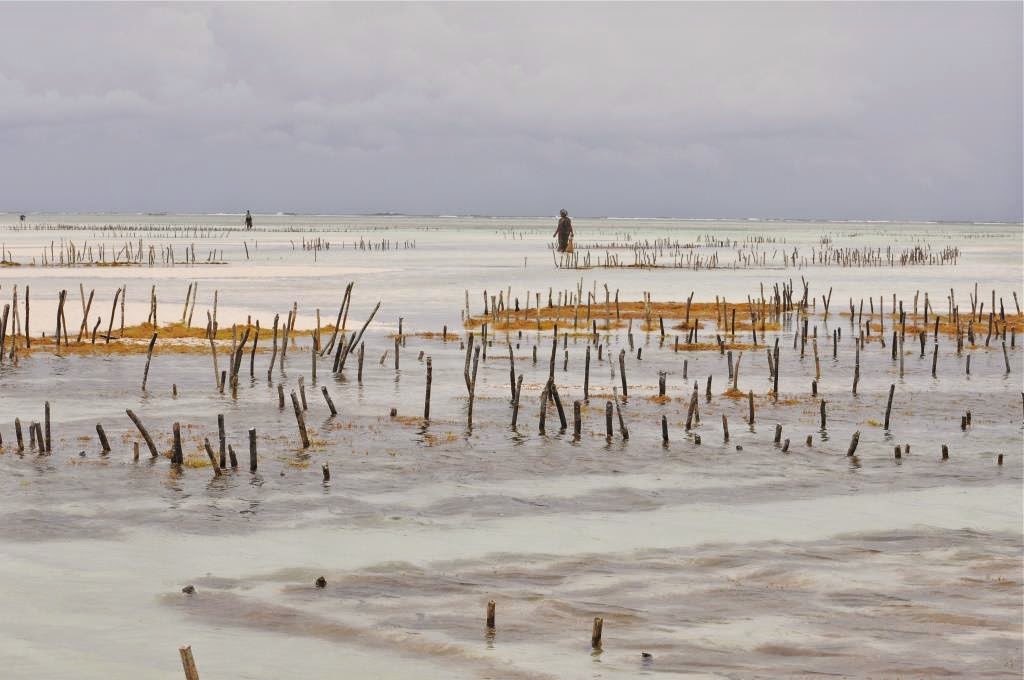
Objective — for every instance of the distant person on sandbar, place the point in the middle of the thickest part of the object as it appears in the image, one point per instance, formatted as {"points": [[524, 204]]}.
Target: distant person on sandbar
{"points": [[563, 231], [248, 220]]}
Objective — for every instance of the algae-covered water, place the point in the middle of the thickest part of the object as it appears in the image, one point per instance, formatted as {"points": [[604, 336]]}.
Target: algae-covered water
{"points": [[723, 559]]}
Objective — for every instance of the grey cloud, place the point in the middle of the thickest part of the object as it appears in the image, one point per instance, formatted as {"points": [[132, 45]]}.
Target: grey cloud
{"points": [[730, 109]]}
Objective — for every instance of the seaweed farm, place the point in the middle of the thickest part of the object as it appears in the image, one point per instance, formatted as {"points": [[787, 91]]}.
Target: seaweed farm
{"points": [[430, 447]]}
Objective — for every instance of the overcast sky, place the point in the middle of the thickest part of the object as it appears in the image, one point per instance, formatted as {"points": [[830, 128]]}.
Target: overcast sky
{"points": [[692, 110]]}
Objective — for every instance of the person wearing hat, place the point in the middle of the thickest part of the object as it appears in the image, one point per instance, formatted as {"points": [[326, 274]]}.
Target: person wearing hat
{"points": [[563, 231]]}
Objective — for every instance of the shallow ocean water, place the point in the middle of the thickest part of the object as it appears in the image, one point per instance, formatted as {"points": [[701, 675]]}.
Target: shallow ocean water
{"points": [[715, 561]]}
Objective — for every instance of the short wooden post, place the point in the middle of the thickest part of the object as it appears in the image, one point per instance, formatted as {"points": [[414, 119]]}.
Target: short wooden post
{"points": [[104, 444], [212, 456], [188, 663], [252, 450], [46, 420], [586, 376], [300, 420], [888, 406], [143, 432], [177, 457], [515, 402], [595, 632], [608, 419], [330, 402], [490, 615], [426, 397], [853, 443], [622, 372], [577, 421], [149, 357], [222, 440]]}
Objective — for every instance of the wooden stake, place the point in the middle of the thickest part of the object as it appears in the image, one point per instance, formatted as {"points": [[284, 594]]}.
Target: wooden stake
{"points": [[515, 402], [853, 443], [143, 432], [177, 457], [212, 456], [188, 663], [149, 357], [430, 376], [888, 406], [300, 420], [104, 444], [252, 450]]}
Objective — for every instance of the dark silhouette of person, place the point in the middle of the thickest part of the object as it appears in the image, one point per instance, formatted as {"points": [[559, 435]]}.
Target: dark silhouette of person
{"points": [[248, 220], [563, 231]]}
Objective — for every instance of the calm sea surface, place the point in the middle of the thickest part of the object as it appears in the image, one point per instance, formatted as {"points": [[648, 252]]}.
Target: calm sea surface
{"points": [[723, 559]]}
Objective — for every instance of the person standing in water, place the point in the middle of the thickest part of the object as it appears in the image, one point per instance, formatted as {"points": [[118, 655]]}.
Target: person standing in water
{"points": [[248, 220], [563, 231]]}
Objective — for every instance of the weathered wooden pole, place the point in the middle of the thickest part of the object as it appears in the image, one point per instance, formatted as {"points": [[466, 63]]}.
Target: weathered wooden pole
{"points": [[471, 384], [515, 401], [426, 398], [300, 420], [618, 412], [543, 406], [253, 462], [888, 406], [104, 444], [853, 443], [222, 439], [577, 421], [212, 456], [143, 432], [622, 372], [490, 615], [46, 420], [586, 375], [177, 457], [511, 371], [595, 633], [608, 420], [188, 663], [149, 357], [558, 405]]}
